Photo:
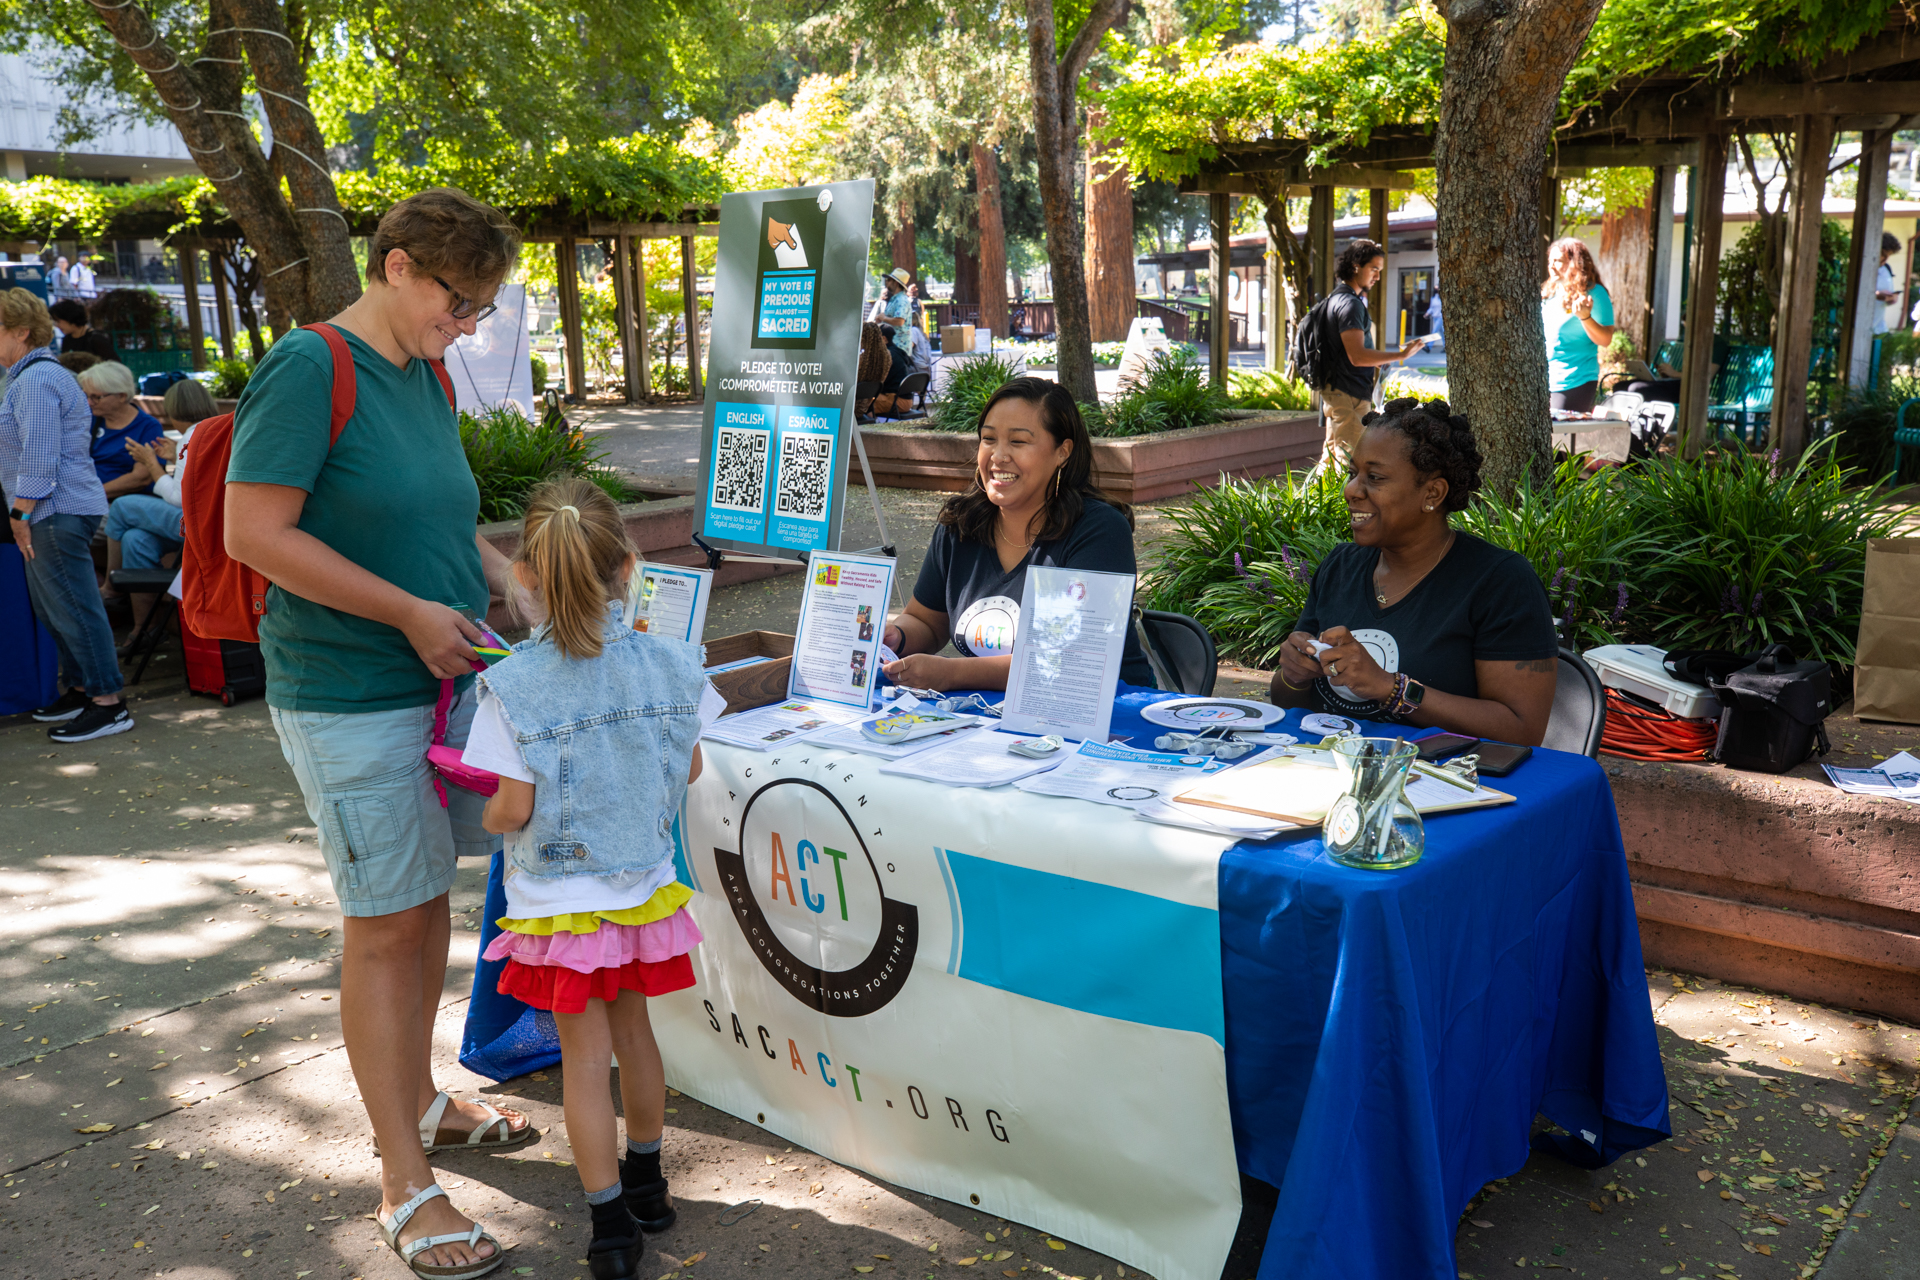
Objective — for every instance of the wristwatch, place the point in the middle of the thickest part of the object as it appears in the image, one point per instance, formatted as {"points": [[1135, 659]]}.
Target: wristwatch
{"points": [[1408, 694], [22, 516]]}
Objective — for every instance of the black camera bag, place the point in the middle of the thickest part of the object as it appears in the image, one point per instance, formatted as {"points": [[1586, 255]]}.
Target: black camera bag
{"points": [[1772, 712]]}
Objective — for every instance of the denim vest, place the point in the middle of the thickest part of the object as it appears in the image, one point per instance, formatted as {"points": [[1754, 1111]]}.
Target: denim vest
{"points": [[608, 740]]}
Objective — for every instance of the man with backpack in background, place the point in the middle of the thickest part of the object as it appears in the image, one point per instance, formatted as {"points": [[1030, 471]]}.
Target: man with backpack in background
{"points": [[1333, 350]]}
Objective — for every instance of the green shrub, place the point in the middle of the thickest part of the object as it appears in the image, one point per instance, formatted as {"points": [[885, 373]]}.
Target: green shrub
{"points": [[1130, 415], [510, 455], [1183, 391], [1863, 426], [1268, 389], [230, 377], [539, 373], [968, 389]]}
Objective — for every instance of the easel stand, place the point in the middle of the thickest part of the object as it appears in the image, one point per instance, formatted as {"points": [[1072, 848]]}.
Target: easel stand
{"points": [[717, 556]]}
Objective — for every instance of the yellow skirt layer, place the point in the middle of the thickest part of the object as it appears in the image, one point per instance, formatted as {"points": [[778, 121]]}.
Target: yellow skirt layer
{"points": [[665, 901]]}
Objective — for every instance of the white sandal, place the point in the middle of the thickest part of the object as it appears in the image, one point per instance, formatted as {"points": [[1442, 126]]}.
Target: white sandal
{"points": [[390, 1229], [496, 1124]]}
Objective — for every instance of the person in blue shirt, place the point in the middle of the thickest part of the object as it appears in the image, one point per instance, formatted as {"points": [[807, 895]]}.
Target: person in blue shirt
{"points": [[116, 420], [1576, 311]]}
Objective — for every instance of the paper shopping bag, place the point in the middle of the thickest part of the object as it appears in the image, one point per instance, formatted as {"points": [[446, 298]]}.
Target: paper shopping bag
{"points": [[1886, 681]]}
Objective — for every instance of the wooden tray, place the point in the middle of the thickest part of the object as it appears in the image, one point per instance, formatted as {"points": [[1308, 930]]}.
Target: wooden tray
{"points": [[759, 684]]}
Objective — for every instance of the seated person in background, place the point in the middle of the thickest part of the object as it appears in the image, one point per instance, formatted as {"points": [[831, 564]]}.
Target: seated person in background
{"points": [[70, 318], [1033, 501], [1424, 624], [78, 362], [143, 528], [116, 420]]}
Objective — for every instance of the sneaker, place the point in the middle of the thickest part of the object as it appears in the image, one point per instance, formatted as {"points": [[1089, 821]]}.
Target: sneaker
{"points": [[94, 721], [70, 704]]}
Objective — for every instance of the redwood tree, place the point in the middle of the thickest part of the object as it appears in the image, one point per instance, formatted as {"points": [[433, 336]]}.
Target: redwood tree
{"points": [[308, 271], [992, 270], [1056, 127], [1110, 279], [1506, 61]]}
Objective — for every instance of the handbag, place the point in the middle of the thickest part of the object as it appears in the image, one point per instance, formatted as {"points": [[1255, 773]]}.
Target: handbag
{"points": [[445, 761], [1772, 712]]}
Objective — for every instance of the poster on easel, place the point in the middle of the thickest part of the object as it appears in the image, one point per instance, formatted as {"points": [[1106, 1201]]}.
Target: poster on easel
{"points": [[783, 359]]}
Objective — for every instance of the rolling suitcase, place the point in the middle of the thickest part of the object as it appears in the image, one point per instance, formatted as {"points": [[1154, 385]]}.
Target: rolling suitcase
{"points": [[226, 669]]}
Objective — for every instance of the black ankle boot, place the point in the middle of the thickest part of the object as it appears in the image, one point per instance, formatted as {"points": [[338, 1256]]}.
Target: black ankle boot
{"points": [[615, 1251], [650, 1204]]}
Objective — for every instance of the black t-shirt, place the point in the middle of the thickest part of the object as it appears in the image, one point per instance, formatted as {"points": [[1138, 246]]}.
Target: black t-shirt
{"points": [[964, 580], [1348, 310], [1480, 603], [93, 342]]}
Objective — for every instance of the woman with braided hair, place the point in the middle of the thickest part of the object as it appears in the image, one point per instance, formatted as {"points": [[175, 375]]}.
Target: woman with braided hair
{"points": [[1419, 622]]}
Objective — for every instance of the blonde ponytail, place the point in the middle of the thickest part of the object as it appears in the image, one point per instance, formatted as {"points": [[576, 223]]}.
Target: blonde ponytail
{"points": [[575, 543]]}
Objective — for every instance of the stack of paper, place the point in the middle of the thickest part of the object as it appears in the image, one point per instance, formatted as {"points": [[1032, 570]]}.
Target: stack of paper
{"points": [[1124, 776], [1898, 776], [1217, 822], [847, 737], [764, 728], [975, 759]]}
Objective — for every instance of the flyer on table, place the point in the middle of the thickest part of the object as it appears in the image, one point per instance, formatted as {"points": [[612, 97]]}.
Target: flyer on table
{"points": [[1066, 654], [836, 655], [673, 601]]}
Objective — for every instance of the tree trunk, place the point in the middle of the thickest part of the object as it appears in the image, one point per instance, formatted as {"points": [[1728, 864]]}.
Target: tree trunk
{"points": [[309, 272], [966, 273], [1295, 284], [992, 268], [1110, 282], [1505, 66], [1056, 80], [901, 242]]}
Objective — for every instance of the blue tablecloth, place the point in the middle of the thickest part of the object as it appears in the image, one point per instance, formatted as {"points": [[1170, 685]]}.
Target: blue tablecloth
{"points": [[28, 680], [1390, 1035]]}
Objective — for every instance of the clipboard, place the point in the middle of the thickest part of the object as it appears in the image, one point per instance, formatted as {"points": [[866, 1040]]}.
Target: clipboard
{"points": [[1290, 789]]}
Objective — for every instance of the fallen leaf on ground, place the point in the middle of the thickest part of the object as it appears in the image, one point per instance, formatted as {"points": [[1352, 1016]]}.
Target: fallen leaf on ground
{"points": [[1055, 1244], [884, 1257], [1595, 1206], [1705, 1175], [863, 1270], [966, 1262], [1481, 1223], [96, 1128], [695, 1258]]}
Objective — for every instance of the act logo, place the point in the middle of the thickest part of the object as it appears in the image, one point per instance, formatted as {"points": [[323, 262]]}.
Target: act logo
{"points": [[809, 899]]}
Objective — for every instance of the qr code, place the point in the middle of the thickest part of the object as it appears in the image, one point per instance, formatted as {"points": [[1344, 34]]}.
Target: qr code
{"points": [[740, 469], [806, 469]]}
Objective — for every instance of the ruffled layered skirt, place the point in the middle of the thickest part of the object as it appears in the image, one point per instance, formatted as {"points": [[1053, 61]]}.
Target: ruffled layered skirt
{"points": [[558, 963]]}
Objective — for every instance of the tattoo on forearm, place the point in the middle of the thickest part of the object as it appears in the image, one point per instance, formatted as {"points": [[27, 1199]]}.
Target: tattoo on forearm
{"points": [[1540, 666]]}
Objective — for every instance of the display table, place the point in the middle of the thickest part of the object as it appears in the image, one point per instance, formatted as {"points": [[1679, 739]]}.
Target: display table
{"points": [[1607, 439], [1388, 1036]]}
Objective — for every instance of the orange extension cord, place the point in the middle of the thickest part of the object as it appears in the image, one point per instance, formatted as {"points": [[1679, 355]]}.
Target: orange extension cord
{"points": [[1638, 732]]}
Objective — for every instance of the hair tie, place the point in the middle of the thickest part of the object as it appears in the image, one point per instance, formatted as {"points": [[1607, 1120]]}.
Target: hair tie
{"points": [[568, 507]]}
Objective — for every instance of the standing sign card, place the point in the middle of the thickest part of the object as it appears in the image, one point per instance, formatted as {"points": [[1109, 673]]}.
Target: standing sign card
{"points": [[1067, 651], [836, 655], [785, 350], [673, 601]]}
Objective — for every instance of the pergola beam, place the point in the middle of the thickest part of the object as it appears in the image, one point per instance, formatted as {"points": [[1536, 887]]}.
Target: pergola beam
{"points": [[1299, 179], [1696, 353], [1793, 340], [1759, 101], [1863, 264]]}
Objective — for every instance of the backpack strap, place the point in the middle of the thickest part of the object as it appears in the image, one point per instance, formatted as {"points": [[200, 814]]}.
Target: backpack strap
{"points": [[345, 382], [439, 368]]}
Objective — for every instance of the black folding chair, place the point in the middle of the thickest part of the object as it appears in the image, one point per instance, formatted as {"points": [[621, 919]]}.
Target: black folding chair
{"points": [[1579, 707], [1179, 650], [146, 641], [915, 385]]}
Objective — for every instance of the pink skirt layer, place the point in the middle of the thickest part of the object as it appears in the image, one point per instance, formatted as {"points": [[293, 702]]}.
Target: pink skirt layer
{"points": [[612, 946]]}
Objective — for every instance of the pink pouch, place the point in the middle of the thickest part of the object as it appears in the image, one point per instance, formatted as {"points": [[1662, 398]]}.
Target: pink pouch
{"points": [[445, 760]]}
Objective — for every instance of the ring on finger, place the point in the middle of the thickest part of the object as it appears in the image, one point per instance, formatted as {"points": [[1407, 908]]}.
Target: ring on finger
{"points": [[1333, 668]]}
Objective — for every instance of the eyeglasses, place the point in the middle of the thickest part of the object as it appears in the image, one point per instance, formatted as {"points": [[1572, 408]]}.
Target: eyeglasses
{"points": [[463, 306]]}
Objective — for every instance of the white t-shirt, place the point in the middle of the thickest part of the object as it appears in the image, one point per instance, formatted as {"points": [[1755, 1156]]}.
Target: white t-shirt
{"points": [[1883, 282], [491, 746]]}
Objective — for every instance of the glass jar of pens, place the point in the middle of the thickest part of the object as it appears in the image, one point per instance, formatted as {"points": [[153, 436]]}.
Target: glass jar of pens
{"points": [[1372, 824]]}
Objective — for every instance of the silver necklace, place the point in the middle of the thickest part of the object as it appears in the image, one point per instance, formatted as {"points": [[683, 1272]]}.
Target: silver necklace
{"points": [[1381, 596]]}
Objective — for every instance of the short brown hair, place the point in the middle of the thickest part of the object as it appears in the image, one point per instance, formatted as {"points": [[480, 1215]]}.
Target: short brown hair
{"points": [[575, 542], [447, 232], [22, 310]]}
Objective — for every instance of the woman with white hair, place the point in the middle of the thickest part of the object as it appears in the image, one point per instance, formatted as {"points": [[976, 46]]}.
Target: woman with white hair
{"points": [[143, 527], [55, 505], [117, 421]]}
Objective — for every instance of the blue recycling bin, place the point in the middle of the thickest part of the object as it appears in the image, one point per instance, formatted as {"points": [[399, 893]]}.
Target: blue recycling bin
{"points": [[30, 276]]}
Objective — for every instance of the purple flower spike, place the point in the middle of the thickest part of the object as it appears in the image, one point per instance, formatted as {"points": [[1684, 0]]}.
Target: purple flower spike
{"points": [[1554, 587], [1757, 597], [1730, 601], [1297, 572], [1620, 606], [1239, 567]]}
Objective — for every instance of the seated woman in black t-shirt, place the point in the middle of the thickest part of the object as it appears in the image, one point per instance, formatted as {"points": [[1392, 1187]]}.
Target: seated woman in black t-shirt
{"points": [[1033, 501], [1424, 624]]}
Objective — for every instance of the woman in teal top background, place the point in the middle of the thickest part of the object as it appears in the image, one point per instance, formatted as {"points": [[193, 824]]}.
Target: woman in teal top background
{"points": [[1576, 312]]}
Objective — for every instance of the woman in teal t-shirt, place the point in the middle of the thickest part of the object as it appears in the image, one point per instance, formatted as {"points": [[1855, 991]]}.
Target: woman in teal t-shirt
{"points": [[1576, 311]]}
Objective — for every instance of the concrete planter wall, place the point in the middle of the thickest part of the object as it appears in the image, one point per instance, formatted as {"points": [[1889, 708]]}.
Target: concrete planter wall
{"points": [[663, 532], [1136, 469], [1780, 883]]}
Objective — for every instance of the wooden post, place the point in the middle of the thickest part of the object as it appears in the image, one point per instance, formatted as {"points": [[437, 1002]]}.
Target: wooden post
{"points": [[1863, 261], [688, 279], [190, 286], [1377, 232], [1275, 292], [222, 308], [1659, 260], [623, 314], [1219, 265], [1320, 240], [567, 275], [1703, 294], [637, 247], [1793, 331]]}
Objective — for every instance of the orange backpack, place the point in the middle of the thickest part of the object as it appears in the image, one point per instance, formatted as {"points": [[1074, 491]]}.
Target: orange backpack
{"points": [[220, 597]]}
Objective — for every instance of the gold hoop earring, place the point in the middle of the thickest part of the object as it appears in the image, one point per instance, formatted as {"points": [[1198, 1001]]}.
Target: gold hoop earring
{"points": [[1054, 489], [979, 480]]}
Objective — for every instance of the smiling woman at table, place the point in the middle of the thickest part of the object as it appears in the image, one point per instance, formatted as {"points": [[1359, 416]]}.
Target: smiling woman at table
{"points": [[1033, 501], [1424, 624]]}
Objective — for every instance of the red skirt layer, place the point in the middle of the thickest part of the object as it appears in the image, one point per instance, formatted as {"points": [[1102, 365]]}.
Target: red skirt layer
{"points": [[561, 990]]}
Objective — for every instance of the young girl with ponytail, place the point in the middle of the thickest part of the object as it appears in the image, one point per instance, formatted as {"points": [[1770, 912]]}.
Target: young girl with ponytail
{"points": [[593, 729]]}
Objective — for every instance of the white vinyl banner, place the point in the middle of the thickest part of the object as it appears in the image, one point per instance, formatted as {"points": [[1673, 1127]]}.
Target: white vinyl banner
{"points": [[1005, 1000], [492, 366]]}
